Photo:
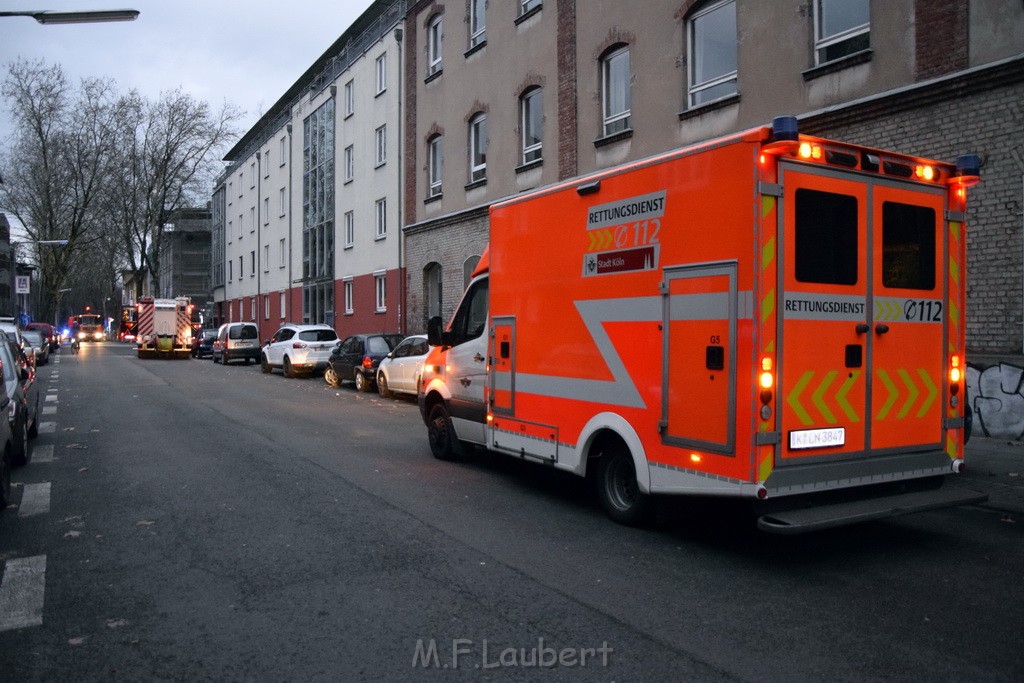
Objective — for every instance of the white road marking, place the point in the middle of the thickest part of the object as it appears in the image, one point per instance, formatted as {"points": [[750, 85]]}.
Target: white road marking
{"points": [[47, 427], [49, 410], [35, 500], [51, 398], [21, 595], [43, 453]]}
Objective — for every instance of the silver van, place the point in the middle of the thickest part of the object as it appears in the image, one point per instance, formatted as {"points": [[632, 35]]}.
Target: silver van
{"points": [[237, 341]]}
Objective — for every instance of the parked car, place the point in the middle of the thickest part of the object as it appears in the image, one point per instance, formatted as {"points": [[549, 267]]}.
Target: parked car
{"points": [[49, 333], [36, 345], [202, 342], [20, 385], [236, 341], [356, 359], [299, 349], [399, 372], [8, 325], [6, 454]]}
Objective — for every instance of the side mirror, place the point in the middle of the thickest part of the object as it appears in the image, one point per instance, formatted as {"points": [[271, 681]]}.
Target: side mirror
{"points": [[435, 331]]}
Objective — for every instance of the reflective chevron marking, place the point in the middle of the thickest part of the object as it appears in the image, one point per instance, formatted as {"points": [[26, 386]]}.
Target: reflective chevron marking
{"points": [[794, 398], [599, 239], [893, 395], [848, 410], [819, 394], [912, 393], [933, 392]]}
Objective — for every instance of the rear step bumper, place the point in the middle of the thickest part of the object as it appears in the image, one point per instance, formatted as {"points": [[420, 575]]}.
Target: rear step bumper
{"points": [[802, 520]]}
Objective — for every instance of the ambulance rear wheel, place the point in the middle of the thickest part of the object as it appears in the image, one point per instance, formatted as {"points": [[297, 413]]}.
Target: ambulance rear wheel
{"points": [[617, 488], [441, 434]]}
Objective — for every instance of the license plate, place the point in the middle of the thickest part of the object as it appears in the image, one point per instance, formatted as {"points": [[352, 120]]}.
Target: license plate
{"points": [[243, 344], [817, 438]]}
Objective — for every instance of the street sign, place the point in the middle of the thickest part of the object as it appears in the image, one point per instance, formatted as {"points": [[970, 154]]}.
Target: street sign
{"points": [[21, 284]]}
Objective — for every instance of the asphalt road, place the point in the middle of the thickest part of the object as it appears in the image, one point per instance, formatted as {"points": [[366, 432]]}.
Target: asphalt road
{"points": [[214, 523]]}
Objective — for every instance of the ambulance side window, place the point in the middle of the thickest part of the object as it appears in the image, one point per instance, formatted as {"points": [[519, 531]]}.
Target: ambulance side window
{"points": [[826, 238], [471, 318], [908, 246]]}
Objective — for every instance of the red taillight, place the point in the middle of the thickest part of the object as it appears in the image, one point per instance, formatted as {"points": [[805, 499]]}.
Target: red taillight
{"points": [[367, 362], [298, 345]]}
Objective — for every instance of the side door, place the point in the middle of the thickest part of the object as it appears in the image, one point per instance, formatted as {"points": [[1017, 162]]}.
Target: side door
{"points": [[398, 366], [466, 362]]}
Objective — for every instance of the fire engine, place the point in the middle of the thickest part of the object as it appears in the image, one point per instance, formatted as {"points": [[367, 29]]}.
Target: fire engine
{"points": [[769, 316], [164, 327]]}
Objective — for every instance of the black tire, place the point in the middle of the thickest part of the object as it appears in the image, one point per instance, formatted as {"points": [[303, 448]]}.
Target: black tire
{"points": [[362, 384], [617, 488], [265, 365], [289, 369], [382, 386], [5, 479], [21, 454], [331, 377], [441, 434]]}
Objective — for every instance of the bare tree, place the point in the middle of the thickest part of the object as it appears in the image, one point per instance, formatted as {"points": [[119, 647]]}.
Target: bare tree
{"points": [[167, 158], [60, 156]]}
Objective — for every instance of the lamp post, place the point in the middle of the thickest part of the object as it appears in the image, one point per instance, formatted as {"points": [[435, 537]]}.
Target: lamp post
{"points": [[87, 17]]}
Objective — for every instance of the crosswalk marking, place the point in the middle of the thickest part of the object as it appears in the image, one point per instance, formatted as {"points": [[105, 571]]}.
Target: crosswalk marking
{"points": [[49, 410], [21, 594], [41, 454], [51, 398], [35, 500], [47, 427]]}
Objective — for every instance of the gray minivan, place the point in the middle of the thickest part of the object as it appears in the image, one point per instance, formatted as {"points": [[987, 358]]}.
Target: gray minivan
{"points": [[237, 341]]}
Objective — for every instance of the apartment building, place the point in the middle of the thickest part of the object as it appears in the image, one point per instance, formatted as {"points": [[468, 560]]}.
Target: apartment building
{"points": [[505, 97], [307, 214], [185, 256]]}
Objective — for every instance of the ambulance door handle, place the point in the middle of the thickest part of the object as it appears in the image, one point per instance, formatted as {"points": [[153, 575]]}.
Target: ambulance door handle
{"points": [[863, 328], [478, 358], [881, 328]]}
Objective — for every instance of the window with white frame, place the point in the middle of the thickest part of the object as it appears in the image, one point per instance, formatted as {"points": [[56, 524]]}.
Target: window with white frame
{"points": [[350, 163], [266, 211], [284, 150], [231, 271], [349, 298], [435, 37], [252, 263], [266, 307], [435, 162], [266, 163], [241, 184], [380, 283], [284, 307], [266, 258], [241, 228], [382, 218], [252, 174], [381, 136], [478, 148], [252, 219], [841, 28], [350, 229], [282, 253], [527, 5], [531, 112], [350, 98], [230, 230], [477, 22], [712, 46], [241, 273], [382, 73], [615, 90], [282, 202], [252, 310]]}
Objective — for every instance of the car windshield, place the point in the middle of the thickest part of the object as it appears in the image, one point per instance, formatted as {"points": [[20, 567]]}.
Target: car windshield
{"points": [[33, 337], [381, 345], [242, 332], [318, 335]]}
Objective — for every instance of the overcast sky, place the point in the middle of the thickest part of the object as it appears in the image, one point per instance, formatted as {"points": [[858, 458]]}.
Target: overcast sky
{"points": [[248, 52]]}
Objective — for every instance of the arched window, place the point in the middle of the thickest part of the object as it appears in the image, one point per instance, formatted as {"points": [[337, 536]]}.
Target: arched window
{"points": [[432, 289], [615, 90], [478, 147], [467, 269], [435, 163]]}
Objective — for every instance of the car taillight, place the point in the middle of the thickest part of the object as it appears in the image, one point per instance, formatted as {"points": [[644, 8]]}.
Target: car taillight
{"points": [[367, 362], [298, 345]]}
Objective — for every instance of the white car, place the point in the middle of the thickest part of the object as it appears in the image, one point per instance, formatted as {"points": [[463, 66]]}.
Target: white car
{"points": [[399, 373], [299, 349]]}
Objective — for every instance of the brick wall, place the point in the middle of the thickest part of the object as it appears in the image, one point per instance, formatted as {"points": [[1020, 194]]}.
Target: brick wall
{"points": [[939, 28], [981, 111], [567, 89]]}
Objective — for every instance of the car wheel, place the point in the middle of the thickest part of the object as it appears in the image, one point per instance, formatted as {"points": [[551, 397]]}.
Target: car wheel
{"points": [[382, 386], [21, 454], [33, 431], [331, 377], [5, 480], [289, 370], [617, 487], [441, 434], [265, 365], [361, 382]]}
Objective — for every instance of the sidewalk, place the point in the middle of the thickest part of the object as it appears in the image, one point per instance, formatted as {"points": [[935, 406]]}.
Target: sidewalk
{"points": [[996, 467]]}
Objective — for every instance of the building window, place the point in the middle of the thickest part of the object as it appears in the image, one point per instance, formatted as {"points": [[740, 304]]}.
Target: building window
{"points": [[712, 36], [615, 90], [252, 263], [841, 28], [284, 300], [531, 106], [241, 227], [241, 184], [477, 22], [252, 310], [434, 41], [382, 73], [349, 299], [284, 150], [266, 211], [231, 271], [432, 289], [350, 163], [527, 5], [478, 148], [230, 226], [435, 162], [241, 273], [350, 98], [252, 219], [266, 258], [382, 218], [283, 251], [318, 212], [266, 163], [380, 282], [282, 204], [252, 173], [350, 229], [266, 307], [381, 137]]}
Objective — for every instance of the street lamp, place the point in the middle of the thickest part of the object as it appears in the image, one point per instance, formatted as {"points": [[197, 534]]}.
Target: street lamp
{"points": [[87, 17]]}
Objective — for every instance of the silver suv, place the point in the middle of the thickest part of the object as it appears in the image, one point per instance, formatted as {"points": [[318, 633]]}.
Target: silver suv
{"points": [[299, 349]]}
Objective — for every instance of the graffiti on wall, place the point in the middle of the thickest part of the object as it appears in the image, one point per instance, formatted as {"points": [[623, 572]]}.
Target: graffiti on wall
{"points": [[997, 397]]}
